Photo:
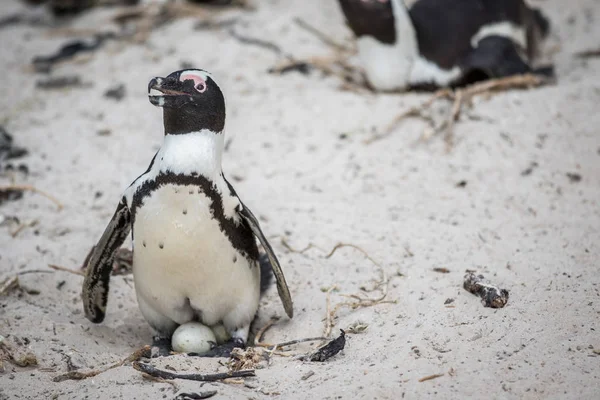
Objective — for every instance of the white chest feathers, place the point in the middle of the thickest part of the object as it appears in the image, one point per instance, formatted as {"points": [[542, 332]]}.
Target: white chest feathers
{"points": [[184, 265]]}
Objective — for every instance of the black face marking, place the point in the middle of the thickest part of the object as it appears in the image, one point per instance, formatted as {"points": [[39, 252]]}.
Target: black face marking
{"points": [[240, 235], [189, 105], [370, 18]]}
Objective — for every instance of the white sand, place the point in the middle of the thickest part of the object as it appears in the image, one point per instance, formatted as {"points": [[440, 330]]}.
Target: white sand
{"points": [[536, 235]]}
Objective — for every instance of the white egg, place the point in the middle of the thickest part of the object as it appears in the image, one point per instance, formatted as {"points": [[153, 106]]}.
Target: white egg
{"points": [[220, 333], [193, 337]]}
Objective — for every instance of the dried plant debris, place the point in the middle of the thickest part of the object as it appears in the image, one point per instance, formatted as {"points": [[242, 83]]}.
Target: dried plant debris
{"points": [[62, 82], [157, 373], [11, 189], [134, 23], [63, 8], [430, 377], [29, 17], [358, 300], [357, 327], [459, 97], [69, 50], [13, 284], [9, 284], [193, 396], [8, 150], [79, 375], [10, 195], [491, 295], [16, 354], [249, 358], [330, 349], [116, 93]]}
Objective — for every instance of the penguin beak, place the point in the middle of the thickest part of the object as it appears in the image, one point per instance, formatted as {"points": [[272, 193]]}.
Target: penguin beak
{"points": [[170, 93]]}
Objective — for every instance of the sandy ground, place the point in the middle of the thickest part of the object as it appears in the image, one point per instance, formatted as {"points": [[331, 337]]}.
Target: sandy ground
{"points": [[298, 159]]}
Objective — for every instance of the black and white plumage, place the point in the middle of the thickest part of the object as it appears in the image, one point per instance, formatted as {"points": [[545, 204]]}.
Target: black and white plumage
{"points": [[195, 256], [438, 43]]}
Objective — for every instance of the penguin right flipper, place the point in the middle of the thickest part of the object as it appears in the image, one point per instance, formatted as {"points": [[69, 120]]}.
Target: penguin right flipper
{"points": [[97, 275], [494, 57], [282, 287]]}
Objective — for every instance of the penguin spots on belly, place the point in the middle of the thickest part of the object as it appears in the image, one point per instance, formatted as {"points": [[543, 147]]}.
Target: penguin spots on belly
{"points": [[234, 259], [191, 191], [161, 245], [184, 212], [237, 231], [144, 243]]}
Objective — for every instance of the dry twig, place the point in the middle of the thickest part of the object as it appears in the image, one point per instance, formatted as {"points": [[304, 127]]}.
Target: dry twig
{"points": [[309, 246], [9, 284], [290, 343], [459, 97], [22, 226], [59, 268], [360, 301], [261, 332], [77, 375], [430, 377], [152, 371], [32, 188]]}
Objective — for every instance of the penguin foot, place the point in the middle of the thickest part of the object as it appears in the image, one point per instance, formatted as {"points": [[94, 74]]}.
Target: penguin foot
{"points": [[222, 350], [161, 347]]}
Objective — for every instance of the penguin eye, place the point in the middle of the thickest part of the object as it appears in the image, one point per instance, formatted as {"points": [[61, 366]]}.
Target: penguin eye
{"points": [[200, 87]]}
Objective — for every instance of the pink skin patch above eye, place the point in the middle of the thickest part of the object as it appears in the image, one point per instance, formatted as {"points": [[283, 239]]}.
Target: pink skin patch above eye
{"points": [[199, 83]]}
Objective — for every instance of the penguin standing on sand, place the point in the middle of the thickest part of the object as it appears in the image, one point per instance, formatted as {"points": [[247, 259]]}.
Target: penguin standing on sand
{"points": [[439, 43], [195, 256]]}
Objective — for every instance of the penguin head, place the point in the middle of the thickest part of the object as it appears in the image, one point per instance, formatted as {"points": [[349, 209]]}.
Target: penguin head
{"points": [[191, 101], [371, 18]]}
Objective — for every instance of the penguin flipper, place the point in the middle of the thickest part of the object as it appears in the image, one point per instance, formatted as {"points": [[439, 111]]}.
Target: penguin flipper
{"points": [[99, 267], [282, 287], [494, 57]]}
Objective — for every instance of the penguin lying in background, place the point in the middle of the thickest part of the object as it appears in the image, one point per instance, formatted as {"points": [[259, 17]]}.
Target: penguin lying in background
{"points": [[439, 43], [195, 256]]}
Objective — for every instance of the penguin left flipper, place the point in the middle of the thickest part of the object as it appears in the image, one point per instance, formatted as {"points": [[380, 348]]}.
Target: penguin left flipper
{"points": [[99, 267], [494, 57], [282, 287]]}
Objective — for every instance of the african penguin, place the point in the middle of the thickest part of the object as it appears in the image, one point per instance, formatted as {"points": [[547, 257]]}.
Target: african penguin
{"points": [[438, 43], [195, 256]]}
